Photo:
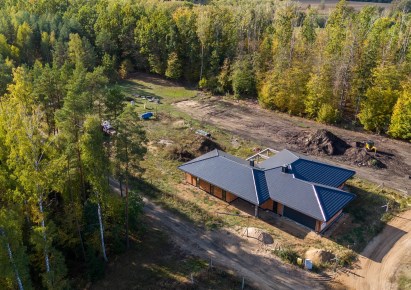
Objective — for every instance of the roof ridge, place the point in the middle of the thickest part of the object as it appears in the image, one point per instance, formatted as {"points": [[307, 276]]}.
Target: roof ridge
{"points": [[255, 186], [195, 161], [293, 153], [319, 202], [324, 163]]}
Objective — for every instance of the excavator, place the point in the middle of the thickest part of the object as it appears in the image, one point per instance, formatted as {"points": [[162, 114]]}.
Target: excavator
{"points": [[368, 145]]}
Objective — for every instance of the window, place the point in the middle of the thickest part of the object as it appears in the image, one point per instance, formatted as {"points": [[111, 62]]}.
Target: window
{"points": [[198, 182]]}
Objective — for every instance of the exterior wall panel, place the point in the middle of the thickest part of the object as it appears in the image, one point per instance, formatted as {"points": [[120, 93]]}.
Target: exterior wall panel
{"points": [[268, 204], [204, 185], [280, 209], [218, 192], [190, 179], [230, 197]]}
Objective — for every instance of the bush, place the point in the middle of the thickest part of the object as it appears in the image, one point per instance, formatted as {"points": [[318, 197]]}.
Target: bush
{"points": [[287, 255], [328, 115]]}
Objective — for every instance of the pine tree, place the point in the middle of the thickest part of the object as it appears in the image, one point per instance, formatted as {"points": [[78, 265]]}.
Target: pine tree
{"points": [[129, 151]]}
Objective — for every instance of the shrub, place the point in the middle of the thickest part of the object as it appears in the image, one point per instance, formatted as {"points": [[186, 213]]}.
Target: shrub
{"points": [[287, 255], [328, 115]]}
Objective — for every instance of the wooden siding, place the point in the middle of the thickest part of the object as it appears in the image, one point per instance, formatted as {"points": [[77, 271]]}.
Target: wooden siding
{"points": [[280, 209], [268, 204], [204, 185], [190, 179], [230, 197], [209, 188], [218, 192]]}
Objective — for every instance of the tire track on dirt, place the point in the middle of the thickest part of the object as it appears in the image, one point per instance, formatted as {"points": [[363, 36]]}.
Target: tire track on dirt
{"points": [[380, 260], [272, 129], [230, 251]]}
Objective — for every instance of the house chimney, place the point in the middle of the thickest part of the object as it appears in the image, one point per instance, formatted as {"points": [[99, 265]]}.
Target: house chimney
{"points": [[252, 162], [284, 168]]}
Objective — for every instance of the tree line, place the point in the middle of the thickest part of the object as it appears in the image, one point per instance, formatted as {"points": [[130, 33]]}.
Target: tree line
{"points": [[349, 66], [59, 61]]}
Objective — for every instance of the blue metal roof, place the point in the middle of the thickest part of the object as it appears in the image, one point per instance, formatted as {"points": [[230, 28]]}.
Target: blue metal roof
{"points": [[294, 193], [309, 169], [230, 173], [261, 185], [320, 172], [332, 200], [308, 187]]}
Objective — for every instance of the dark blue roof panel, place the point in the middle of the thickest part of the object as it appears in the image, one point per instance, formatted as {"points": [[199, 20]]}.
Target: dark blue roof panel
{"points": [[332, 200], [309, 187], [261, 185], [321, 173]]}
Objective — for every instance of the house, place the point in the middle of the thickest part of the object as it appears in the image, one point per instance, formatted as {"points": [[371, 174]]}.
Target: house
{"points": [[289, 184]]}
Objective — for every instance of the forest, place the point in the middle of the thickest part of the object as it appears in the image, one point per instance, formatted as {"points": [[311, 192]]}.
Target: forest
{"points": [[59, 65]]}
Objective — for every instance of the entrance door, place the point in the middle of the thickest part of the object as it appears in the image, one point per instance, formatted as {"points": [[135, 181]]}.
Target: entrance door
{"points": [[224, 197]]}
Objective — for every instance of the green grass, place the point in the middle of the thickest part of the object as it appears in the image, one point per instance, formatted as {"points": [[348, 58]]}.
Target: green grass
{"points": [[164, 182], [404, 281], [368, 217]]}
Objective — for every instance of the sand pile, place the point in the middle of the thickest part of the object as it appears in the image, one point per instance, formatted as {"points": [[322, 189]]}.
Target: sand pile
{"points": [[318, 256]]}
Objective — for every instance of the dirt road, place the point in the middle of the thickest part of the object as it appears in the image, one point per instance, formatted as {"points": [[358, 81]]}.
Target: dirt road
{"points": [[277, 130], [381, 259], [229, 250]]}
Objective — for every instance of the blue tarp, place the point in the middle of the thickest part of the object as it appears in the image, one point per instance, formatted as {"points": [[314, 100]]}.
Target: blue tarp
{"points": [[147, 115]]}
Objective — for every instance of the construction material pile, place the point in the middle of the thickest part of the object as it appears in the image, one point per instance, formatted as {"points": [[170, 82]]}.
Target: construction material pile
{"points": [[321, 142], [190, 149]]}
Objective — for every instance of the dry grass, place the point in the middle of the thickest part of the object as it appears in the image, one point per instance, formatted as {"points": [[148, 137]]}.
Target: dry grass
{"points": [[165, 183]]}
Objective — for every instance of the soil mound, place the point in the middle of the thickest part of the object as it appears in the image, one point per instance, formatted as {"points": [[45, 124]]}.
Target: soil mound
{"points": [[203, 145], [258, 234], [191, 149], [360, 157], [318, 256], [323, 141]]}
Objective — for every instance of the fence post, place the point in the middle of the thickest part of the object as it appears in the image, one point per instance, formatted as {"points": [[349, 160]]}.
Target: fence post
{"points": [[242, 284], [192, 278]]}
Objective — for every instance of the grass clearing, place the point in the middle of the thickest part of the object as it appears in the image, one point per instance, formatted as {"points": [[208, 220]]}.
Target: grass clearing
{"points": [[367, 216], [164, 183]]}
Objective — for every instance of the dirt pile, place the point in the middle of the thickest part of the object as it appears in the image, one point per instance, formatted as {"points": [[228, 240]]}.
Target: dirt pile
{"points": [[321, 142], [318, 256], [190, 149], [360, 157]]}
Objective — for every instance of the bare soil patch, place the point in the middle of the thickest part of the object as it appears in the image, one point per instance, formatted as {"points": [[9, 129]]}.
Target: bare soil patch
{"points": [[186, 150], [392, 165], [380, 261]]}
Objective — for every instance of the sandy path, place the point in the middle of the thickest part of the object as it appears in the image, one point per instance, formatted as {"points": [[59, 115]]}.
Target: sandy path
{"points": [[273, 130], [380, 260], [233, 252], [229, 250]]}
